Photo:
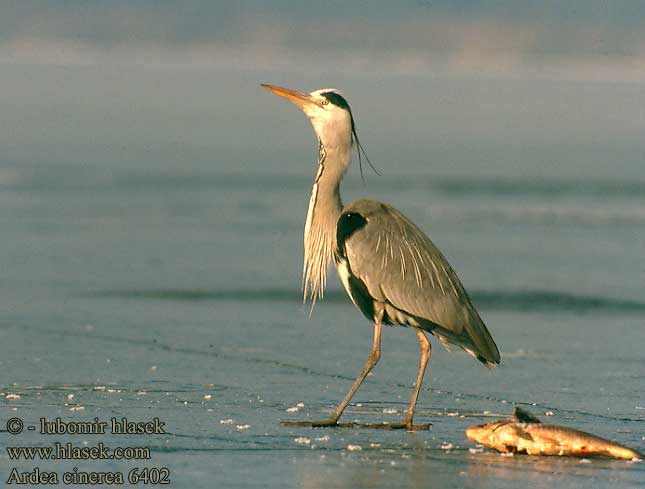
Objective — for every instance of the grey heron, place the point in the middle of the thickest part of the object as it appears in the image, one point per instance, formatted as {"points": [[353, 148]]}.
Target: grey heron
{"points": [[390, 269]]}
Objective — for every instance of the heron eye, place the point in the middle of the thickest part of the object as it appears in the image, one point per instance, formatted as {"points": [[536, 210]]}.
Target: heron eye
{"points": [[325, 101]]}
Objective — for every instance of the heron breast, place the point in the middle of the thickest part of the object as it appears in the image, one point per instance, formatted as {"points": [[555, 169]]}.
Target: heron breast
{"points": [[344, 274], [355, 288]]}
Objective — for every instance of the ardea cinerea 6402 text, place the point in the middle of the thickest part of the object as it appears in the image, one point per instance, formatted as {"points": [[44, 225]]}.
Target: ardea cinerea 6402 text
{"points": [[390, 269]]}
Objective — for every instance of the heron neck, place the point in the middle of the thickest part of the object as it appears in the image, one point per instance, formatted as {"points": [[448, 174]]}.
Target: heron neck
{"points": [[325, 207]]}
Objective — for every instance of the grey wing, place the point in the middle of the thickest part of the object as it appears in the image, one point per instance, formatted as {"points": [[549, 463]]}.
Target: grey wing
{"points": [[398, 265]]}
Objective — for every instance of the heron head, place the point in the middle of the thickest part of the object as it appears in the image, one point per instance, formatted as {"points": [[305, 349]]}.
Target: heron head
{"points": [[330, 117], [328, 112]]}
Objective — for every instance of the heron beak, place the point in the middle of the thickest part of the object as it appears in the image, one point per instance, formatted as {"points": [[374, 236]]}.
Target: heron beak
{"points": [[301, 99]]}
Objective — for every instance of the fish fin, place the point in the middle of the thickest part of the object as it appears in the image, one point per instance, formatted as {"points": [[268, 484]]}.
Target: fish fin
{"points": [[524, 416], [523, 434]]}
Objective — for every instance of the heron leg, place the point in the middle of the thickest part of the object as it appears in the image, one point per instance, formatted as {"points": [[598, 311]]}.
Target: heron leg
{"points": [[372, 360], [426, 350]]}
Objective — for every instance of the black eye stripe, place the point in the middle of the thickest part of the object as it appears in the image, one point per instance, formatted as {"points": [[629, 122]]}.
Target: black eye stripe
{"points": [[336, 99]]}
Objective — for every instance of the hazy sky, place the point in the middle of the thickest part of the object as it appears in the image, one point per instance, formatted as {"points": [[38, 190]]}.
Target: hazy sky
{"points": [[136, 82], [510, 30]]}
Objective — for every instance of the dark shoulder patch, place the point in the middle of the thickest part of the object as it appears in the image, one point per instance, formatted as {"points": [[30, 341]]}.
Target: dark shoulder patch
{"points": [[348, 224], [336, 99]]}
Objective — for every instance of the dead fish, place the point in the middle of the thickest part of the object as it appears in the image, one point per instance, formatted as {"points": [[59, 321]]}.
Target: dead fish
{"points": [[524, 433]]}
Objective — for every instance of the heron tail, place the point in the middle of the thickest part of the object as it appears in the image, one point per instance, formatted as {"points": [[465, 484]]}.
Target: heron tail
{"points": [[483, 345]]}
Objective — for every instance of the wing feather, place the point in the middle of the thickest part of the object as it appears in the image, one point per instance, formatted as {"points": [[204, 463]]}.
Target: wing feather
{"points": [[432, 295]]}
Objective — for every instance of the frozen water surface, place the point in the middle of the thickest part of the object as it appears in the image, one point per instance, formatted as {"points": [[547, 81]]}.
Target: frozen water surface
{"points": [[159, 278]]}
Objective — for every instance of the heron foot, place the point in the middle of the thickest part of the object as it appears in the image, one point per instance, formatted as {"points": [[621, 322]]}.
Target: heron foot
{"points": [[400, 426], [331, 423], [322, 423]]}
